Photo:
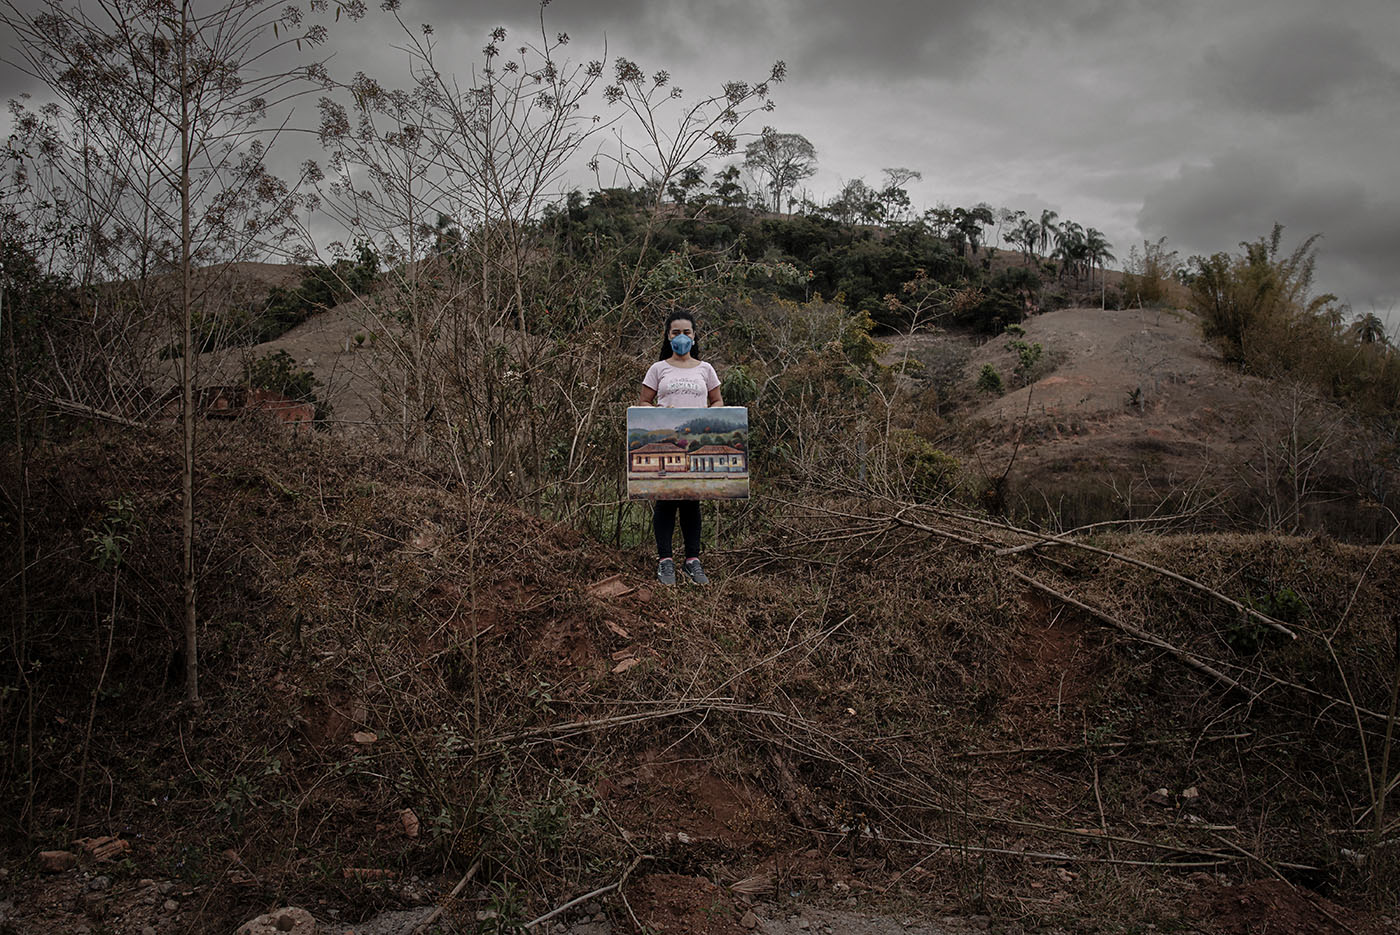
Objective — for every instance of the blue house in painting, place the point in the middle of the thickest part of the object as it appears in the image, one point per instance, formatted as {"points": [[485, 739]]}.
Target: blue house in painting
{"points": [[718, 459]]}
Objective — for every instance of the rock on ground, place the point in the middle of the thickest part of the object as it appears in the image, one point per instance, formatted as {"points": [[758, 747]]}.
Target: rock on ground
{"points": [[288, 921]]}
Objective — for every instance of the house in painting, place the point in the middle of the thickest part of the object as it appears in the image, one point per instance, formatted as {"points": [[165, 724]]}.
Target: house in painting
{"points": [[718, 459], [658, 458]]}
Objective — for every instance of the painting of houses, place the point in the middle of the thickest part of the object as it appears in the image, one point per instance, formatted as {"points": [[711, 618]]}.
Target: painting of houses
{"points": [[687, 454]]}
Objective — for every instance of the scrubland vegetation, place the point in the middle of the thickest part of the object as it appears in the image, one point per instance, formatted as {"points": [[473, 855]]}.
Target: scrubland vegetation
{"points": [[227, 638]]}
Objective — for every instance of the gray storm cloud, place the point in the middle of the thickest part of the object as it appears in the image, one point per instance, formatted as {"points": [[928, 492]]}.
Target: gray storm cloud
{"points": [[1198, 120], [1240, 196], [1296, 67]]}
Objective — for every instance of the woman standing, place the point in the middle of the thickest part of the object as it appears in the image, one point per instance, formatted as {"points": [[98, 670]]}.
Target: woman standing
{"points": [[680, 380]]}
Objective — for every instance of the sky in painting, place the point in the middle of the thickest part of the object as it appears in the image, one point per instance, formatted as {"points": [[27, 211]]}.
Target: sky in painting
{"points": [[648, 418], [1201, 121]]}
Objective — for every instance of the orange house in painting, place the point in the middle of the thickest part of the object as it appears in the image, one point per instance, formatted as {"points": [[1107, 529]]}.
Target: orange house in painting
{"points": [[658, 458]]}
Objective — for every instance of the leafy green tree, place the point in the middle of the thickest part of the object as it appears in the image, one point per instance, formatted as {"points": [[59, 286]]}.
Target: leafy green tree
{"points": [[894, 203], [727, 187], [857, 202], [784, 159], [1097, 249], [691, 178], [894, 195], [277, 371], [1007, 221], [939, 220], [1071, 249], [969, 224], [1025, 235]]}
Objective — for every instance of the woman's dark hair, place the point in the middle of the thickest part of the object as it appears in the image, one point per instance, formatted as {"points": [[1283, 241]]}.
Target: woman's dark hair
{"points": [[679, 315]]}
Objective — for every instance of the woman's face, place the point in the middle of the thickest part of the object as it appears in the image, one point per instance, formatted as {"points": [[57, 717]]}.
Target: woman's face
{"points": [[681, 326]]}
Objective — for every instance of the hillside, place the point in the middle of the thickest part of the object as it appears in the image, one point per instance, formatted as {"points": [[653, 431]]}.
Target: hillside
{"points": [[966, 738], [1127, 413], [1131, 410]]}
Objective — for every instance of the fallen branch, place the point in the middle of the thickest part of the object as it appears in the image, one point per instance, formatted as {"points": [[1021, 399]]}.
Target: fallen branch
{"points": [[1044, 855], [79, 409], [857, 767], [1310, 897], [998, 549], [1192, 659], [456, 890], [784, 651], [618, 884], [570, 728], [1044, 538], [1080, 748]]}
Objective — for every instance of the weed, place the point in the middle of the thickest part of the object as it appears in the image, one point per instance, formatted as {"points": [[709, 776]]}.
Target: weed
{"points": [[1283, 604], [541, 697], [1247, 636], [113, 533], [504, 912]]}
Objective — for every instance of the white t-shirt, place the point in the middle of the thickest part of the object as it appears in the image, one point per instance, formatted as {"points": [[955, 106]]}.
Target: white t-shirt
{"points": [[681, 387]]}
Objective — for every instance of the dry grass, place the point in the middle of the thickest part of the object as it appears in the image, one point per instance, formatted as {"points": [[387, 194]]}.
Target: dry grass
{"points": [[854, 698]]}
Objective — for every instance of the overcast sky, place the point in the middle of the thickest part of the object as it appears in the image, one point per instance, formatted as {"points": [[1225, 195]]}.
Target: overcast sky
{"points": [[1204, 121]]}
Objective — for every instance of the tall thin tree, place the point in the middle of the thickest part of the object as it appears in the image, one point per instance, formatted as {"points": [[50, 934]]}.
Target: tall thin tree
{"points": [[171, 96]]}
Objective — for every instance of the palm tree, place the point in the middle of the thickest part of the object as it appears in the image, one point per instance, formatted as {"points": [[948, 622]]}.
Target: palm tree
{"points": [[1027, 235], [1097, 247], [1047, 227], [1369, 329], [1070, 248]]}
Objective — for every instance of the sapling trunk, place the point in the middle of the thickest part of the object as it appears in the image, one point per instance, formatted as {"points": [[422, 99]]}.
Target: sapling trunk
{"points": [[187, 372]]}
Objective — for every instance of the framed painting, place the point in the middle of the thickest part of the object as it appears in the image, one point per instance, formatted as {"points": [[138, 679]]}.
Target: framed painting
{"points": [[687, 454]]}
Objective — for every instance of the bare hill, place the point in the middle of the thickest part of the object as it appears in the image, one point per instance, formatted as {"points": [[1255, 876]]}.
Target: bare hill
{"points": [[1119, 389], [1127, 409], [326, 345]]}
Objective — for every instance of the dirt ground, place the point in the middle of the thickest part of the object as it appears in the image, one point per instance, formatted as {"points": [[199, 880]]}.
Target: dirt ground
{"points": [[91, 903], [870, 748]]}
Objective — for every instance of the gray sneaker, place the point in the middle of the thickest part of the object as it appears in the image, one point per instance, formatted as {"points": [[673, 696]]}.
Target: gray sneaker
{"points": [[694, 572], [666, 571]]}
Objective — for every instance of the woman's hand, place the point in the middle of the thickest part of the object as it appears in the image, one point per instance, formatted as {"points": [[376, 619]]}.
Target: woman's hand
{"points": [[647, 397]]}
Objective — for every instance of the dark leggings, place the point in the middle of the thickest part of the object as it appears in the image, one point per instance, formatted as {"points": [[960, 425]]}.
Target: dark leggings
{"points": [[663, 518]]}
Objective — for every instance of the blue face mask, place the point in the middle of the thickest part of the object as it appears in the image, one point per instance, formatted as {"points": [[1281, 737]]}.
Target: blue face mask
{"points": [[681, 344]]}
